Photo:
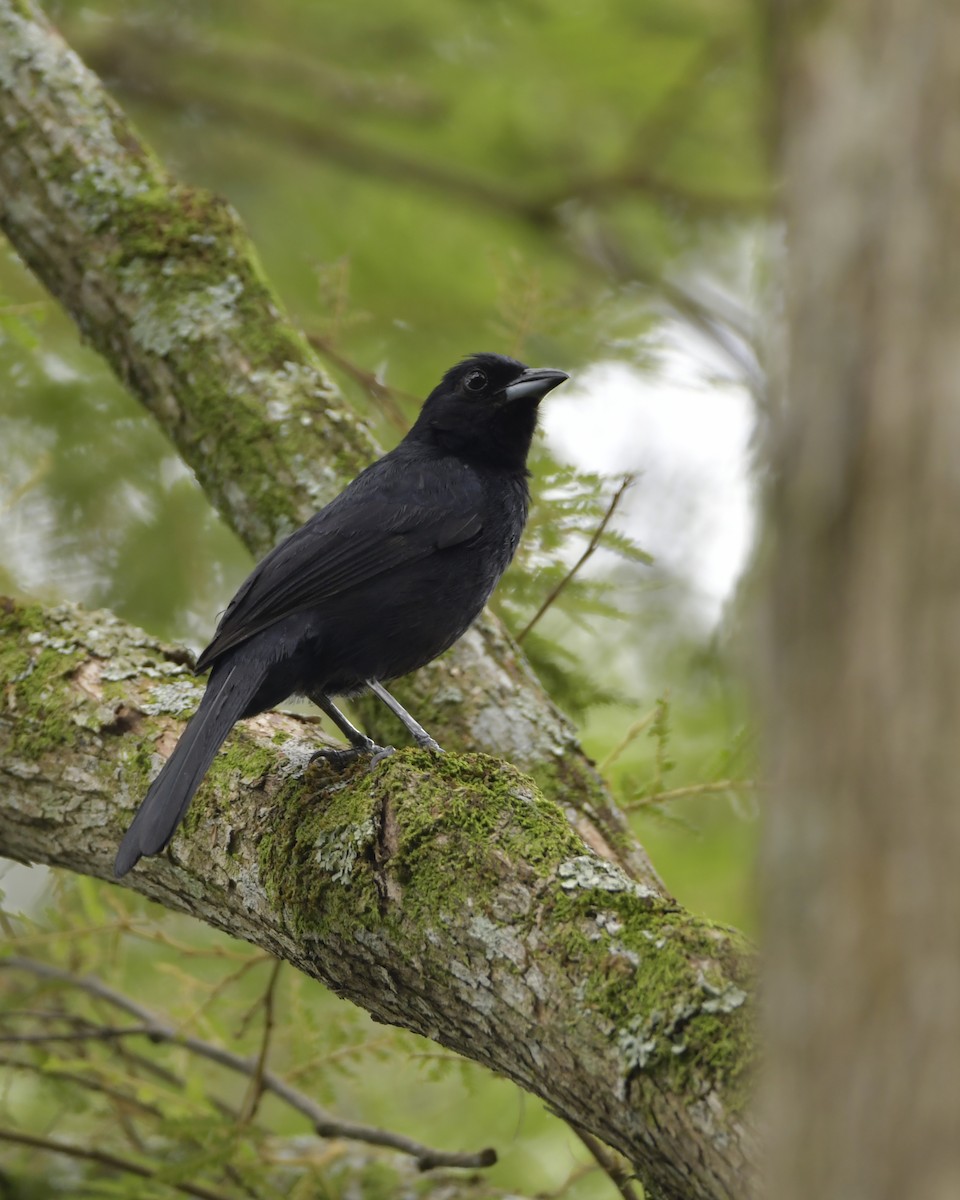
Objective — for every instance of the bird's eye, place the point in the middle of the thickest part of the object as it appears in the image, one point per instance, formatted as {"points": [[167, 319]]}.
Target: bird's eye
{"points": [[476, 381]]}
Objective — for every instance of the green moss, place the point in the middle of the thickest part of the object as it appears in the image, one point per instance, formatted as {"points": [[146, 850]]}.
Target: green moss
{"points": [[306, 835], [442, 836], [32, 664], [166, 221], [193, 290], [572, 775], [453, 812], [667, 990], [184, 258], [241, 760], [244, 758], [213, 280], [138, 771], [670, 989]]}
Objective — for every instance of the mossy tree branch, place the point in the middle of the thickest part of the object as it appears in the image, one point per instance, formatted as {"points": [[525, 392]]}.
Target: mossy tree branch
{"points": [[443, 894], [163, 281]]}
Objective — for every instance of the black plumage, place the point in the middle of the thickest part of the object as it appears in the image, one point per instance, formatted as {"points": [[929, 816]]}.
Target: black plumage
{"points": [[378, 583]]}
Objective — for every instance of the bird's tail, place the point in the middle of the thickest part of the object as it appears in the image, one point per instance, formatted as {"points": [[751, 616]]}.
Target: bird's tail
{"points": [[168, 799]]}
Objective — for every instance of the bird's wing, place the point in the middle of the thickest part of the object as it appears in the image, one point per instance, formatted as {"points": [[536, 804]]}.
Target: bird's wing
{"points": [[389, 516]]}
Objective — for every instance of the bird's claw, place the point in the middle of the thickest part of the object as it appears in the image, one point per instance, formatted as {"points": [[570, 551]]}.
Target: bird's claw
{"points": [[382, 752], [340, 757]]}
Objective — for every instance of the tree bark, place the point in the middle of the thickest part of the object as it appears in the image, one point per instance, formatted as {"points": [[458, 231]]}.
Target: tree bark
{"points": [[162, 280], [441, 893], [862, 663]]}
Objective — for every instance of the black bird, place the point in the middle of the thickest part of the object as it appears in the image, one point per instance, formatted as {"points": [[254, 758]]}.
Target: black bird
{"points": [[378, 583]]}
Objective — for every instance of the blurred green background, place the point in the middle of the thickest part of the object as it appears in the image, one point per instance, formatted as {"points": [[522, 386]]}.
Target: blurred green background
{"points": [[573, 183]]}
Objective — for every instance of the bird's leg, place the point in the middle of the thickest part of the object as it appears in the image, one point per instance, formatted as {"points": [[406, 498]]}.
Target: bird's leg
{"points": [[359, 742], [416, 730]]}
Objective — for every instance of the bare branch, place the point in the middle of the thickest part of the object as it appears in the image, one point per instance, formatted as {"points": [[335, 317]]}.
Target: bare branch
{"points": [[126, 1165], [93, 1034], [385, 397], [692, 789], [582, 560], [251, 1101], [324, 1123], [612, 1167]]}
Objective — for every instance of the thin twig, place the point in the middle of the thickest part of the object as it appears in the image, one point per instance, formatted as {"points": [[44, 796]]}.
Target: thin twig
{"points": [[692, 789], [320, 1060], [36, 477], [619, 1175], [630, 736], [324, 1124], [39, 937], [577, 1173], [22, 310], [94, 1034], [591, 547], [187, 951], [382, 394], [251, 1102], [92, 1083], [106, 1160], [133, 1062], [221, 985]]}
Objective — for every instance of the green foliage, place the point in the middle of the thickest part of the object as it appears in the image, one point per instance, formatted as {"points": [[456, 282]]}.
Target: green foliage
{"points": [[160, 1104], [569, 510], [88, 485]]}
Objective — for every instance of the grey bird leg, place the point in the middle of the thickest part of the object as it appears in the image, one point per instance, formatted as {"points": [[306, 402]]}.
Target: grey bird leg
{"points": [[416, 730], [359, 742]]}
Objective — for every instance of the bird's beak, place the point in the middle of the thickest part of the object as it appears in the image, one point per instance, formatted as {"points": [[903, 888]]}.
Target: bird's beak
{"points": [[535, 381]]}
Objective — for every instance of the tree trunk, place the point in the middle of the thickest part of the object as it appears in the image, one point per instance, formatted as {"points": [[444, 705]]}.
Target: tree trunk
{"points": [[862, 672]]}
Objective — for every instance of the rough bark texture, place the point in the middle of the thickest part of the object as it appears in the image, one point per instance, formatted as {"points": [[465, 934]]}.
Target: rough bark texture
{"points": [[163, 281], [444, 894], [863, 604]]}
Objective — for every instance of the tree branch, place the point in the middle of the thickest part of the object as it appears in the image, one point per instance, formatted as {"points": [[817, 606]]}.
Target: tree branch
{"points": [[443, 894], [584, 558], [135, 66], [125, 1165], [163, 281], [262, 1080]]}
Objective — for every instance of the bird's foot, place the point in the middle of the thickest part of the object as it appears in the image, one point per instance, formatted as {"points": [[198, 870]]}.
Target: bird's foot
{"points": [[340, 757], [427, 743]]}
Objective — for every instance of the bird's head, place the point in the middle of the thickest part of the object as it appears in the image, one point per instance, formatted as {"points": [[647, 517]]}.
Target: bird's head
{"points": [[485, 409]]}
